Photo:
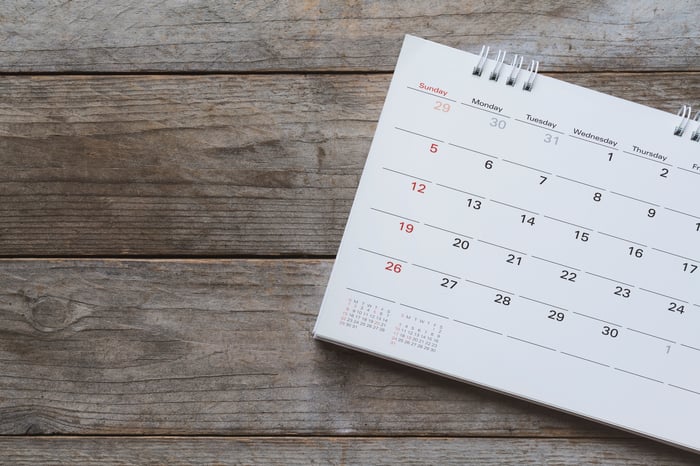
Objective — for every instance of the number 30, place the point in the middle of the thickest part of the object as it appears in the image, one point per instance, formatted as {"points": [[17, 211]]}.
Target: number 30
{"points": [[496, 123]]}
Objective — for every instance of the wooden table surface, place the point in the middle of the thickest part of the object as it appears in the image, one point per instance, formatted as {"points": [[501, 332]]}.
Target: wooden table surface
{"points": [[175, 179]]}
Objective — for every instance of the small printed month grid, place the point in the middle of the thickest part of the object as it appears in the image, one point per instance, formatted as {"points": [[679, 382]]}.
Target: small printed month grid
{"points": [[544, 244]]}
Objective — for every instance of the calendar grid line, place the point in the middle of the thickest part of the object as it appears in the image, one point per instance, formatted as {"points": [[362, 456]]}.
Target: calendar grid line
{"points": [[638, 375], [394, 215], [488, 286], [538, 126], [459, 190], [531, 343], [584, 359], [502, 247], [691, 347], [599, 320], [383, 255], [682, 213], [610, 279], [581, 182], [593, 142], [664, 295], [476, 326], [623, 239], [430, 93], [556, 263], [423, 310], [406, 174], [689, 171], [546, 304], [527, 166], [473, 150], [514, 207], [418, 134], [568, 223], [676, 255], [484, 110], [635, 199], [437, 271], [683, 388], [372, 295], [651, 335], [648, 159], [448, 231]]}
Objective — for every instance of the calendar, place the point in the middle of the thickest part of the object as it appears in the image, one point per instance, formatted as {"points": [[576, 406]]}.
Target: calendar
{"points": [[533, 237]]}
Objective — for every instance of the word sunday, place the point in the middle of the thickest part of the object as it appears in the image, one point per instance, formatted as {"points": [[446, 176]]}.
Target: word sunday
{"points": [[434, 90]]}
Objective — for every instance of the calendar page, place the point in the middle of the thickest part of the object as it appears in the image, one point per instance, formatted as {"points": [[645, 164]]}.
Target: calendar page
{"points": [[541, 243]]}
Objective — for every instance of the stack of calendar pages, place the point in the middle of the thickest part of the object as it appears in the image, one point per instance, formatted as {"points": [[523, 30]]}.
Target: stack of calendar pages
{"points": [[529, 236]]}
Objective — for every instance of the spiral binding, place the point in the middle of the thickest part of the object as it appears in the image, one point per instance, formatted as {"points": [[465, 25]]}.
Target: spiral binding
{"points": [[515, 69]]}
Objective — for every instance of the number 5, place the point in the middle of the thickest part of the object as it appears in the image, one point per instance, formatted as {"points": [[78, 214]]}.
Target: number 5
{"points": [[433, 148]]}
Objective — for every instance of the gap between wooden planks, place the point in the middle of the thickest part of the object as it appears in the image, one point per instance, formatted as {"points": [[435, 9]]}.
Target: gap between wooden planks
{"points": [[337, 450]]}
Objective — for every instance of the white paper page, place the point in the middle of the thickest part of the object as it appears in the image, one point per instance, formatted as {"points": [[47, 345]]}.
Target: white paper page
{"points": [[545, 244]]}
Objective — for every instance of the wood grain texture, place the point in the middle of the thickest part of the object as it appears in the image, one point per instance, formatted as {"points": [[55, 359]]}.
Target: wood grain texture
{"points": [[338, 451], [204, 166], [224, 347], [242, 36], [240, 164]]}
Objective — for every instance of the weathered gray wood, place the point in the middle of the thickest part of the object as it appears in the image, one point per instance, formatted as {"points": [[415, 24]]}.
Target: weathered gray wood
{"points": [[171, 35], [334, 450], [216, 347], [203, 166]]}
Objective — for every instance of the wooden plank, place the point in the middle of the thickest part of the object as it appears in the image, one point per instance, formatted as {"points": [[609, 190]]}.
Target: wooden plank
{"points": [[218, 35], [203, 166], [329, 450], [216, 347]]}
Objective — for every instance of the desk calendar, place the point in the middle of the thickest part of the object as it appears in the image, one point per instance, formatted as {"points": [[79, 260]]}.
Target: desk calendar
{"points": [[529, 236]]}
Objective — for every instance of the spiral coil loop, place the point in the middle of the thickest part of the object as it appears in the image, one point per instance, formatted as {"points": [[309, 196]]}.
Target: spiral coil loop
{"points": [[684, 113], [515, 68], [696, 134], [499, 64], [483, 55]]}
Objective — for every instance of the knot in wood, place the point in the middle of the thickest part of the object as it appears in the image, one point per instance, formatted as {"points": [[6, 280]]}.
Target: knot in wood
{"points": [[50, 314]]}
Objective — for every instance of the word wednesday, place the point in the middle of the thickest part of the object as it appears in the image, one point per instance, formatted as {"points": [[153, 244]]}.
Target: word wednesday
{"points": [[595, 137]]}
